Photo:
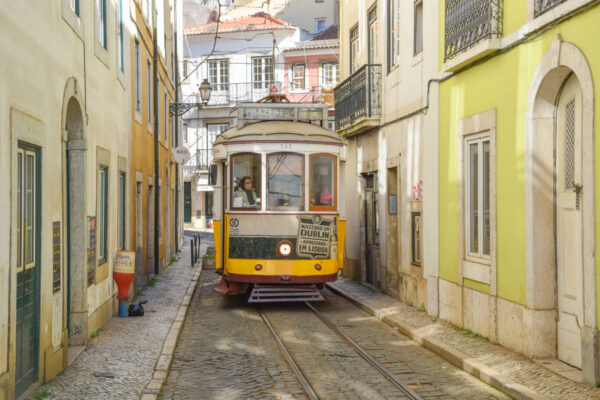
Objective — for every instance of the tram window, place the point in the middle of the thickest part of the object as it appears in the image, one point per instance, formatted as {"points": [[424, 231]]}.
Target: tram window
{"points": [[285, 181], [245, 175], [322, 181]]}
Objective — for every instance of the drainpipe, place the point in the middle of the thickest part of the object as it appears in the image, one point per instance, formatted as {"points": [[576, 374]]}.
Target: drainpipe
{"points": [[156, 133], [176, 72]]}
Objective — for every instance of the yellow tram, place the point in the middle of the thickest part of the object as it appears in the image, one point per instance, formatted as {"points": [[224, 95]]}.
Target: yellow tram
{"points": [[279, 211]]}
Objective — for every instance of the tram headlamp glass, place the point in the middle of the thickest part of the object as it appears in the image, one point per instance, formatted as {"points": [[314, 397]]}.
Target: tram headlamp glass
{"points": [[285, 248], [318, 267], [258, 267]]}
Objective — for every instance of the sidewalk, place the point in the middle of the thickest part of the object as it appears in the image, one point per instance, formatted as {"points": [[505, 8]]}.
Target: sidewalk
{"points": [[120, 362], [510, 372]]}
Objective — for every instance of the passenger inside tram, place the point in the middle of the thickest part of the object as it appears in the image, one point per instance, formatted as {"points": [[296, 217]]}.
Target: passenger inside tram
{"points": [[245, 196]]}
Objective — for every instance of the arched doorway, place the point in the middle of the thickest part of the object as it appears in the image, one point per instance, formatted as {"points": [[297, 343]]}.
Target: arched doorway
{"points": [[75, 214], [560, 230]]}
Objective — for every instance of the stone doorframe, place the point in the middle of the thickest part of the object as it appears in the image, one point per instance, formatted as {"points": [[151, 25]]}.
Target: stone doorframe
{"points": [[73, 136], [562, 60]]}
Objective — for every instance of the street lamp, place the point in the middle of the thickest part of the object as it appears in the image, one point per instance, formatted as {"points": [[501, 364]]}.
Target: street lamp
{"points": [[181, 108]]}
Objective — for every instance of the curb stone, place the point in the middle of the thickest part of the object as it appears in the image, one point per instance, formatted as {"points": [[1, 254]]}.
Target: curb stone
{"points": [[163, 364], [456, 357]]}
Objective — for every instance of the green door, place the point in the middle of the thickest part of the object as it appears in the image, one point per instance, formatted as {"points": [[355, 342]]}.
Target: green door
{"points": [[187, 202], [28, 250]]}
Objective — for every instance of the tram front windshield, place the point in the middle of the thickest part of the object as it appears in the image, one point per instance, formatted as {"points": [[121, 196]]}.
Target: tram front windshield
{"points": [[286, 180]]}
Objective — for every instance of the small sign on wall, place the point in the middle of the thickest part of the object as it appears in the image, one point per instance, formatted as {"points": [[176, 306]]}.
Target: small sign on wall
{"points": [[91, 251], [392, 204], [56, 256]]}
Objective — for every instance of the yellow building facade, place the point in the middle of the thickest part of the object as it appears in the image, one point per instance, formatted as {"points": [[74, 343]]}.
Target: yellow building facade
{"points": [[151, 96], [517, 176]]}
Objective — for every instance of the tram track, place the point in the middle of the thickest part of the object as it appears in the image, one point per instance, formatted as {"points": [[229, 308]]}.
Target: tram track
{"points": [[303, 379]]}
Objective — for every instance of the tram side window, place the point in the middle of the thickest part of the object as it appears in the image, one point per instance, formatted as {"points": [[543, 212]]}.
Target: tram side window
{"points": [[322, 181], [246, 180], [285, 181]]}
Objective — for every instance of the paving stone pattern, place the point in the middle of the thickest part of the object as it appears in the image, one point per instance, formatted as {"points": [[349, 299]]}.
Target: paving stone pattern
{"points": [[513, 365], [127, 348], [428, 374], [225, 352]]}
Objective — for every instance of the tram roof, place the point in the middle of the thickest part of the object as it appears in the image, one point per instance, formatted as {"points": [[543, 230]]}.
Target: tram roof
{"points": [[278, 130]]}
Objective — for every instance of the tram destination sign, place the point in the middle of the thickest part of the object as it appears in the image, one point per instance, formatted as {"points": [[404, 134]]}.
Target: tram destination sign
{"points": [[252, 112]]}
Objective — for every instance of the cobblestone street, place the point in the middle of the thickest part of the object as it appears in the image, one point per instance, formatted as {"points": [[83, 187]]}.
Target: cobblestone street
{"points": [[226, 352]]}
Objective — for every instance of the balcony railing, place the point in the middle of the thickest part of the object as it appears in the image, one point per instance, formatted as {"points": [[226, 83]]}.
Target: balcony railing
{"points": [[470, 21], [224, 94], [199, 161], [358, 96], [541, 6]]}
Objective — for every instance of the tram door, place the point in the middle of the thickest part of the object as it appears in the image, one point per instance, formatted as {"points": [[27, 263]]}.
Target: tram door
{"points": [[371, 231]]}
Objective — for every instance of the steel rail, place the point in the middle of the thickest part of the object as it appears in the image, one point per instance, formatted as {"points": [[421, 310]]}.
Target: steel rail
{"points": [[302, 379], [376, 364]]}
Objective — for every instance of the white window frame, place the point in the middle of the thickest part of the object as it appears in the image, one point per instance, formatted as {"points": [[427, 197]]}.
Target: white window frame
{"points": [[265, 72], [102, 23], [335, 75], [318, 21], [393, 24], [149, 93], [218, 74], [294, 87], [418, 28], [373, 34], [354, 48], [479, 269], [478, 139], [137, 81]]}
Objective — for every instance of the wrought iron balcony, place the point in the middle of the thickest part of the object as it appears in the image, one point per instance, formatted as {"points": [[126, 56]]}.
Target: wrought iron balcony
{"points": [[541, 6], [225, 94], [358, 100], [470, 21]]}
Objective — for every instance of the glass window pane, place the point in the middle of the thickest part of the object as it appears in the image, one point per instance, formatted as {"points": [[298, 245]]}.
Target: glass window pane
{"points": [[285, 181], [246, 180], [19, 210], [486, 197], [322, 188], [29, 208], [473, 198]]}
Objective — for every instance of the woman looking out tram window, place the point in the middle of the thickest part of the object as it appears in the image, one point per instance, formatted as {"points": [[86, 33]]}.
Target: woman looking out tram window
{"points": [[246, 193]]}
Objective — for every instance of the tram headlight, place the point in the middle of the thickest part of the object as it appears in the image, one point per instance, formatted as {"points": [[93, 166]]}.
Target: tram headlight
{"points": [[318, 267], [285, 248], [258, 267]]}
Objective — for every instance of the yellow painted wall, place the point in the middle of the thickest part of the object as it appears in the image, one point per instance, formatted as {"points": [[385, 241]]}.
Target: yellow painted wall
{"points": [[503, 83]]}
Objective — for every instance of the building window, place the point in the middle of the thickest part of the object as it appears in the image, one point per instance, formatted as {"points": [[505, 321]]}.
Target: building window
{"points": [[136, 80], [298, 77], [75, 6], [354, 49], [477, 196], [416, 238], [122, 207], [185, 70], [330, 75], [102, 212], [218, 75], [393, 33], [319, 1], [27, 217], [213, 130], [320, 24], [121, 36], [262, 72], [184, 133], [102, 23], [149, 91], [418, 28], [245, 175], [166, 118], [285, 182], [373, 28], [322, 183]]}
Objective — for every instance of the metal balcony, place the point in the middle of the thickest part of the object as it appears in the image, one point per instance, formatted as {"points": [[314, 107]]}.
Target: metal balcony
{"points": [[358, 100], [470, 21], [231, 94], [541, 6]]}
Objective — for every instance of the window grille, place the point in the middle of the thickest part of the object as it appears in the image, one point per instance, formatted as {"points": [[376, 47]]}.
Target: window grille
{"points": [[470, 21], [541, 6], [570, 145]]}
